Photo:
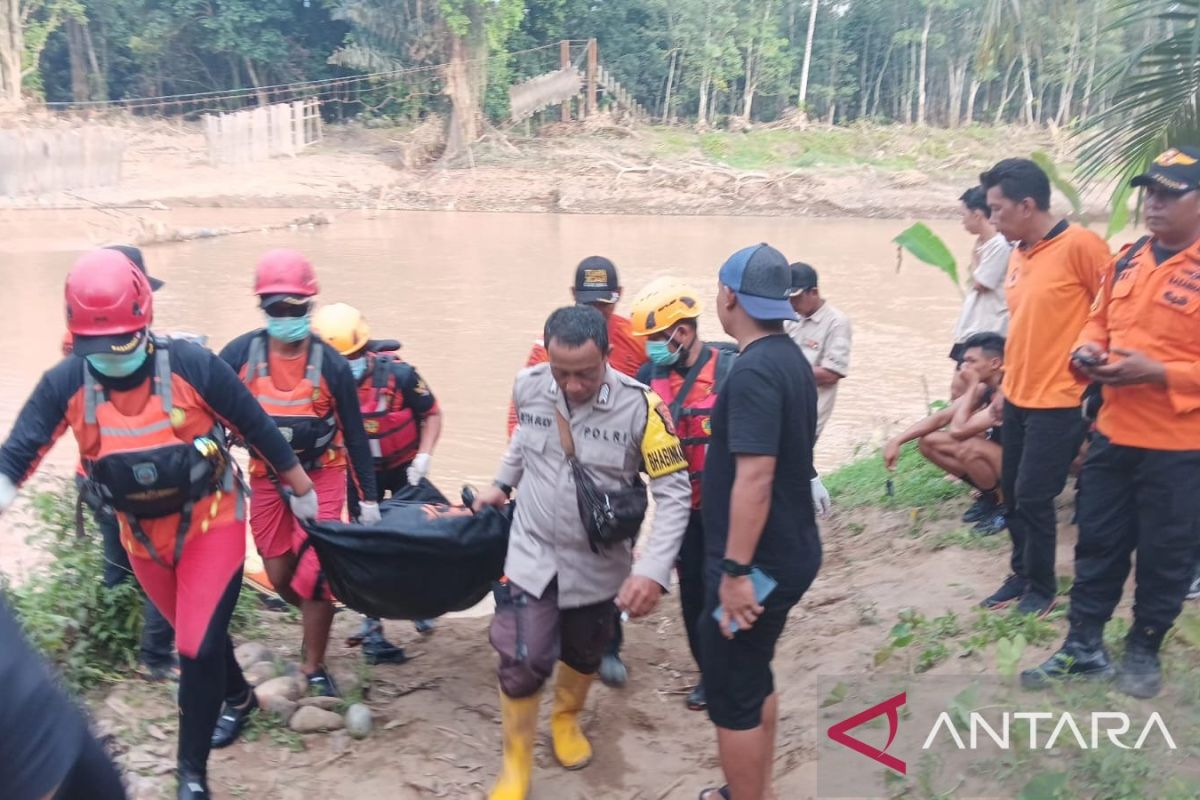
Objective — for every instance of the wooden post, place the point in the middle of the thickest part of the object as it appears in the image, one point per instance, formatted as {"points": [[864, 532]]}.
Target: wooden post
{"points": [[593, 62], [564, 62]]}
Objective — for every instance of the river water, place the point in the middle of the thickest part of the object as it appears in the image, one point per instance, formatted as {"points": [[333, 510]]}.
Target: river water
{"points": [[467, 294]]}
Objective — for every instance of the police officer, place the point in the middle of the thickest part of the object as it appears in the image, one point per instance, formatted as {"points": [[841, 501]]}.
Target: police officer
{"points": [[402, 421], [148, 416], [557, 604], [1142, 474]]}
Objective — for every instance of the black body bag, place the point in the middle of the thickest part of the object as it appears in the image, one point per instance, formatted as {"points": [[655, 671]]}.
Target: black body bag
{"points": [[608, 517], [424, 558]]}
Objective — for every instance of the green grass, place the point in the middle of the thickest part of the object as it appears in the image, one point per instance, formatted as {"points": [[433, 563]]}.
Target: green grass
{"points": [[891, 147], [916, 482]]}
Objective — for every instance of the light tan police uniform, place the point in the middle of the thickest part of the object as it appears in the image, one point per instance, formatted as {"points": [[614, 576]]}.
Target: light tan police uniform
{"points": [[824, 338]]}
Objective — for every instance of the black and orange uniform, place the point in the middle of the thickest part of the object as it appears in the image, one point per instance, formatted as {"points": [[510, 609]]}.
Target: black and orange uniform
{"points": [[691, 394], [313, 400], [1142, 474], [394, 400], [152, 446], [627, 357], [1050, 288]]}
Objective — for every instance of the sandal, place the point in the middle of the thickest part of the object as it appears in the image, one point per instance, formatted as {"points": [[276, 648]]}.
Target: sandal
{"points": [[721, 792]]}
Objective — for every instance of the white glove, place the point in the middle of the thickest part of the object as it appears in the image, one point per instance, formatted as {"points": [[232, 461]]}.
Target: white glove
{"points": [[418, 469], [8, 493], [368, 513], [820, 497], [304, 506]]}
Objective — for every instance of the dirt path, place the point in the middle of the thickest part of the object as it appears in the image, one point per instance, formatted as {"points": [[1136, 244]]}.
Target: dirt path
{"points": [[437, 722]]}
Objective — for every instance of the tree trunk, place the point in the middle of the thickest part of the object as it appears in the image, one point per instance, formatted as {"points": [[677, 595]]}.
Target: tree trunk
{"points": [[256, 83], [1008, 92], [910, 84], [666, 113], [808, 47], [77, 57], [12, 46], [1026, 70], [1091, 73], [923, 62], [956, 79], [702, 111], [99, 74], [972, 94], [464, 104], [887, 57], [833, 74], [1067, 91]]}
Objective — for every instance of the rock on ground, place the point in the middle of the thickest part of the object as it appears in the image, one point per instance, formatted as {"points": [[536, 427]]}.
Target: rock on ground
{"points": [[358, 721], [311, 719], [326, 703], [260, 672], [284, 687], [279, 707], [252, 653]]}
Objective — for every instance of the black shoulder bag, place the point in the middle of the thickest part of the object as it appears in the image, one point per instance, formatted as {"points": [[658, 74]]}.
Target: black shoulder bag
{"points": [[608, 517]]}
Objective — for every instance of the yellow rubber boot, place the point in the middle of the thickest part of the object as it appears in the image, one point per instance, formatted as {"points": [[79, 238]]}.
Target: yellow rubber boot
{"points": [[519, 721], [571, 747]]}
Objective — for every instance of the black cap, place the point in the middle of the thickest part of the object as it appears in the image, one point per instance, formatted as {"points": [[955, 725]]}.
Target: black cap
{"points": [[804, 277], [1177, 170], [763, 281], [596, 281], [135, 255]]}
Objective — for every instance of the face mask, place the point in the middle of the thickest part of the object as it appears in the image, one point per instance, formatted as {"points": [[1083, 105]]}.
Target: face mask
{"points": [[358, 367], [118, 365], [288, 329], [661, 354]]}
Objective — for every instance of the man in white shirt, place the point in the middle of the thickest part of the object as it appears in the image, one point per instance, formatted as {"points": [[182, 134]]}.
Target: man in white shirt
{"points": [[984, 310], [823, 335]]}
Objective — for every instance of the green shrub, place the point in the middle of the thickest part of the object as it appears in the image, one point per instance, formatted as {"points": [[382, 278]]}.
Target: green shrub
{"points": [[88, 631], [916, 483]]}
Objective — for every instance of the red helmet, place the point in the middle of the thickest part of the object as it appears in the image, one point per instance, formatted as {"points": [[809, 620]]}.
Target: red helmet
{"points": [[285, 271], [107, 295]]}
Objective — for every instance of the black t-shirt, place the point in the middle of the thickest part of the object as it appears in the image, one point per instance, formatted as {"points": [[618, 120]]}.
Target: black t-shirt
{"points": [[769, 408], [41, 733]]}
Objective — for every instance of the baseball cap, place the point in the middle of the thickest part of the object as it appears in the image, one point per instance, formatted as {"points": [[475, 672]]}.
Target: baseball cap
{"points": [[762, 279], [134, 254], [1177, 170], [804, 278], [116, 343], [596, 281]]}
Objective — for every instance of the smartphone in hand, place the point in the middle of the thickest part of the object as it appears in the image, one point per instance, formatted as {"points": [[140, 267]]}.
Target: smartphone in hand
{"points": [[763, 584]]}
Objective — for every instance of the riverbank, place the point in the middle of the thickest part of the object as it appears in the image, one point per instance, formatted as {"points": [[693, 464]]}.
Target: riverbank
{"points": [[894, 598], [586, 168]]}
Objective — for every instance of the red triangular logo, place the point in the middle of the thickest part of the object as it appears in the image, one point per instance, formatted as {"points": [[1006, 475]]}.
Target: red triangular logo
{"points": [[890, 707]]}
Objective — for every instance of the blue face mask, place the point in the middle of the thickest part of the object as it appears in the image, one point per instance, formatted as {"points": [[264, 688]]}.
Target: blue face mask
{"points": [[288, 329], [661, 353], [358, 367], [118, 365]]}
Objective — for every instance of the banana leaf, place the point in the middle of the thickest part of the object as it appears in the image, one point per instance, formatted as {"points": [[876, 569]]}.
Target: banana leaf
{"points": [[1062, 184], [928, 247]]}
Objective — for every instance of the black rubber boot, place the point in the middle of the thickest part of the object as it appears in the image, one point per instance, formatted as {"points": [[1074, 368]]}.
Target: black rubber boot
{"points": [[1081, 656], [697, 700], [233, 718], [1141, 673], [378, 650], [193, 785]]}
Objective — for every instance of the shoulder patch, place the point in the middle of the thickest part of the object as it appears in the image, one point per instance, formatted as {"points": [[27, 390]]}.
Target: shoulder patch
{"points": [[662, 454]]}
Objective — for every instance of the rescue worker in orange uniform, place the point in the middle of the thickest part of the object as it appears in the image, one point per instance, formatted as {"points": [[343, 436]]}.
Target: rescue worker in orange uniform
{"points": [[687, 373], [403, 422], [597, 285], [149, 416], [307, 388], [1141, 479]]}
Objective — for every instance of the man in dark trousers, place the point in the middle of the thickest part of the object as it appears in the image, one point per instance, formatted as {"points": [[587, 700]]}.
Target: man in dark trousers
{"points": [[758, 516], [1142, 474], [1053, 276]]}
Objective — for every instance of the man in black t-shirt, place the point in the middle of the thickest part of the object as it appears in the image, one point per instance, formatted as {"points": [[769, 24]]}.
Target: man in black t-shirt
{"points": [[46, 750], [758, 514]]}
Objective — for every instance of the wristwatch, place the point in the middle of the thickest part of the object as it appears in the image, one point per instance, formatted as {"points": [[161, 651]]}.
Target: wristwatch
{"points": [[504, 487], [735, 570]]}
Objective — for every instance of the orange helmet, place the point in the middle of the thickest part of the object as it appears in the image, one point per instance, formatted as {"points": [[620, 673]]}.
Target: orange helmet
{"points": [[342, 326], [662, 303]]}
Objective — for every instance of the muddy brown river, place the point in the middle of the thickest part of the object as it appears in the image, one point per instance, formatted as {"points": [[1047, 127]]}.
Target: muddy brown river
{"points": [[467, 294]]}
